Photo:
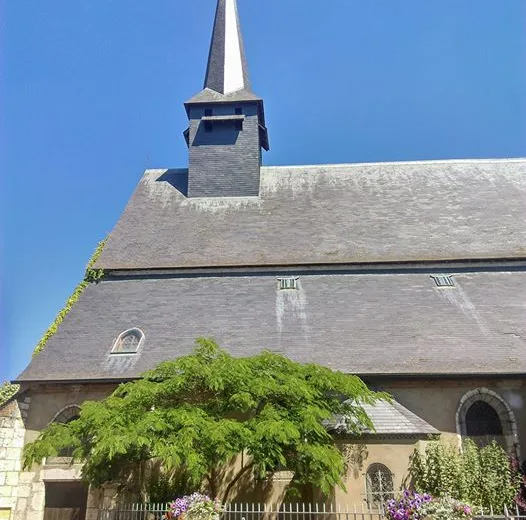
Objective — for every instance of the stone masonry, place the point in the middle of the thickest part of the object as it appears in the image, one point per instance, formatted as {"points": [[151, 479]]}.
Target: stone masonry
{"points": [[12, 433]]}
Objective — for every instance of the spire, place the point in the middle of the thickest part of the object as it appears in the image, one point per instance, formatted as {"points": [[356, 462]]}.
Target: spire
{"points": [[226, 129], [227, 70]]}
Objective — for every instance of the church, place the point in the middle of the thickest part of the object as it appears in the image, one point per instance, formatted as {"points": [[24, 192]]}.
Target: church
{"points": [[408, 274]]}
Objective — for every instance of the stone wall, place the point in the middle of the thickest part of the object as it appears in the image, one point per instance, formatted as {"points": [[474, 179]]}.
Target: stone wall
{"points": [[36, 413], [22, 493], [12, 432]]}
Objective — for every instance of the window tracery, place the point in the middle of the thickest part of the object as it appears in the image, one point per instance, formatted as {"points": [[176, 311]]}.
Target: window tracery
{"points": [[379, 487], [128, 342]]}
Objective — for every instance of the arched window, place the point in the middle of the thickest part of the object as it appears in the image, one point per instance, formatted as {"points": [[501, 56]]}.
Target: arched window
{"points": [[128, 342], [379, 488], [65, 416], [483, 423], [484, 416]]}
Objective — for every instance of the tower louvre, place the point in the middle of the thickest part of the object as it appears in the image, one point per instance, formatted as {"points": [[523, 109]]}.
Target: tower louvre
{"points": [[226, 119]]}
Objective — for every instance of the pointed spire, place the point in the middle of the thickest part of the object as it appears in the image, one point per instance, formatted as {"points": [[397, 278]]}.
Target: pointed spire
{"points": [[227, 70]]}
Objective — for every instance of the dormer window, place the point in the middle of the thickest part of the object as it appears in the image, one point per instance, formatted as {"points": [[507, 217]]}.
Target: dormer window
{"points": [[443, 280], [287, 283], [128, 342]]}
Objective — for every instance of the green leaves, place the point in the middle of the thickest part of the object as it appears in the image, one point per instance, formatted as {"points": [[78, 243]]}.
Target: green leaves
{"points": [[197, 414], [7, 390], [482, 477]]}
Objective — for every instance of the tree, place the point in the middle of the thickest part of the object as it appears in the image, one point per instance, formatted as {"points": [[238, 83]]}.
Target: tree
{"points": [[196, 415]]}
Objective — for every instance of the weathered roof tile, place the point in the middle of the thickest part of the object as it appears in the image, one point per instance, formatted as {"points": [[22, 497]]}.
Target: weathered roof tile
{"points": [[358, 323], [327, 214]]}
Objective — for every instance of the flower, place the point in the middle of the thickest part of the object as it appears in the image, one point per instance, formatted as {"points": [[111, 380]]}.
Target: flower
{"points": [[409, 507], [194, 507]]}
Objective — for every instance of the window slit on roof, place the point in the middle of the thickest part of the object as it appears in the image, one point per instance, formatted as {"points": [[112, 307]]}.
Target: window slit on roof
{"points": [[128, 342], [290, 282], [443, 280]]}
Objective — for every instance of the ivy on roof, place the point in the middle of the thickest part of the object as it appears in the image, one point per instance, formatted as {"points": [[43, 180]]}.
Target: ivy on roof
{"points": [[91, 275], [7, 391]]}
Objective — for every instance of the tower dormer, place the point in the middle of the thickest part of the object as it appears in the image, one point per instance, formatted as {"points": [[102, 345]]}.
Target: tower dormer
{"points": [[226, 119]]}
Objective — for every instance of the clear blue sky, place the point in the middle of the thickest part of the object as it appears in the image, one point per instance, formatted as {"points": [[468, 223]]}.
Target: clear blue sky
{"points": [[91, 94]]}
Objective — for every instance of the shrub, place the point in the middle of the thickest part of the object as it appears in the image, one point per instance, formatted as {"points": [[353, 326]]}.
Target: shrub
{"points": [[483, 477], [446, 508]]}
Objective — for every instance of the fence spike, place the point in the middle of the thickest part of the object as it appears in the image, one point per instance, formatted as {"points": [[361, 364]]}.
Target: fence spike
{"points": [[283, 511]]}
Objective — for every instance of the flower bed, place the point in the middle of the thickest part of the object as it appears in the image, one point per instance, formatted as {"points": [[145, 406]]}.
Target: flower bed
{"points": [[415, 506]]}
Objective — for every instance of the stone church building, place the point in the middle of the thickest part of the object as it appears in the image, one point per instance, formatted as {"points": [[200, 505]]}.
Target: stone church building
{"points": [[408, 274]]}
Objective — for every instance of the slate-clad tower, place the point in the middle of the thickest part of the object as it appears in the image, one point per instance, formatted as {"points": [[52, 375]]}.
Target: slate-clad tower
{"points": [[227, 121]]}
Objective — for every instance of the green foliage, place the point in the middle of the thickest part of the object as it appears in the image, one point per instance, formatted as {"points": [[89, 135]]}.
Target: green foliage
{"points": [[446, 508], [7, 390], [162, 488], [197, 414], [91, 275], [480, 476]]}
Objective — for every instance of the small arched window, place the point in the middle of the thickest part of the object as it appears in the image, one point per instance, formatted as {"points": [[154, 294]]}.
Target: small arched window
{"points": [[68, 414], [128, 342], [65, 416], [379, 488]]}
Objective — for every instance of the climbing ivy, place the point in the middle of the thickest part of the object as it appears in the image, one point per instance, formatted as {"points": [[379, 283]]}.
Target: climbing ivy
{"points": [[91, 276], [7, 390]]}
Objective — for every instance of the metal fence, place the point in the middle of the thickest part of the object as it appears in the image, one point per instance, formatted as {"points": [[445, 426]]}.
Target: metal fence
{"points": [[292, 511]]}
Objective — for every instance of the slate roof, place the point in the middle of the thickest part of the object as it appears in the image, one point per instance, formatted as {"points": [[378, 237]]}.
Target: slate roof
{"points": [[328, 214], [226, 79], [380, 323], [227, 69], [390, 418], [208, 95]]}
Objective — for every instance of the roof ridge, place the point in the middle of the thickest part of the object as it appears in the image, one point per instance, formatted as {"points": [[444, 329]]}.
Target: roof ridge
{"points": [[431, 161], [339, 165]]}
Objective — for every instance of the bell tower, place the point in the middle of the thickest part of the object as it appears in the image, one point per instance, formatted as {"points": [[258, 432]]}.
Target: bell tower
{"points": [[226, 129]]}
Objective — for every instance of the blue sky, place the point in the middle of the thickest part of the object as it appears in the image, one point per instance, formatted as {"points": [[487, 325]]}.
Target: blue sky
{"points": [[91, 94]]}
